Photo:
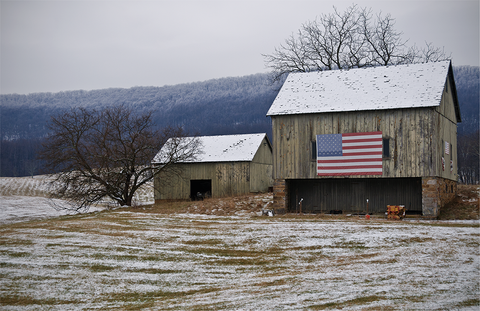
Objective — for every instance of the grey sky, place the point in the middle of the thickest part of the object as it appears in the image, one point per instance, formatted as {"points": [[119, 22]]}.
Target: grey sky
{"points": [[52, 46]]}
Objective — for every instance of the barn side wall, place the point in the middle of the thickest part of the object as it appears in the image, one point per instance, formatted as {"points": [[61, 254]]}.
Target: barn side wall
{"points": [[260, 177], [261, 168], [445, 137], [410, 133], [227, 178]]}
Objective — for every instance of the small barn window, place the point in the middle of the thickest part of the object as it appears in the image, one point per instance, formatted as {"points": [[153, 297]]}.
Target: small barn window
{"points": [[313, 153], [386, 147]]}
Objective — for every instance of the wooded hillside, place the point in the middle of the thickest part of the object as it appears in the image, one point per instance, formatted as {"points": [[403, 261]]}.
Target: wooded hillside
{"points": [[221, 106]]}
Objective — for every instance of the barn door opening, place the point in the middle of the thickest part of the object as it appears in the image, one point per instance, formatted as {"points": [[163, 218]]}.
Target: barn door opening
{"points": [[200, 189], [357, 196]]}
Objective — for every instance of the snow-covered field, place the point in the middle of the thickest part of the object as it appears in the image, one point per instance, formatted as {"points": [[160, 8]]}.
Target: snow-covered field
{"points": [[26, 198], [138, 259]]}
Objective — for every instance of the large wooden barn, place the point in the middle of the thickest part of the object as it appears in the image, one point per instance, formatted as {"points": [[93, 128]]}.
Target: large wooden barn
{"points": [[361, 139], [226, 165]]}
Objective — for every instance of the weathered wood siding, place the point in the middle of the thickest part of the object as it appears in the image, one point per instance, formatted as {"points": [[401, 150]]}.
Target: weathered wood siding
{"points": [[173, 187], [262, 168], [227, 178], [415, 135], [264, 153], [261, 177], [446, 125]]}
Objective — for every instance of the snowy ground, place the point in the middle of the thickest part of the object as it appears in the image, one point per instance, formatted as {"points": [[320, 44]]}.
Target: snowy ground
{"points": [[26, 198], [138, 259]]}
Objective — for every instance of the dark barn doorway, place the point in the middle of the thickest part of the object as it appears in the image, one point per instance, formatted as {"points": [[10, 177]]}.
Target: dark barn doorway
{"points": [[350, 195], [200, 189]]}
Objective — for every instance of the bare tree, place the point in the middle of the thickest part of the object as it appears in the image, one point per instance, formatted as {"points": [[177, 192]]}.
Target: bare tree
{"points": [[352, 39], [180, 149], [105, 154], [31, 167]]}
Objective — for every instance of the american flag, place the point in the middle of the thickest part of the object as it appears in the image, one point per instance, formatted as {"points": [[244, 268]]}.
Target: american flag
{"points": [[349, 154]]}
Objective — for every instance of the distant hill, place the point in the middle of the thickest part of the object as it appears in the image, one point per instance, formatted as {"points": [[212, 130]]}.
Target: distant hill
{"points": [[221, 106], [467, 81]]}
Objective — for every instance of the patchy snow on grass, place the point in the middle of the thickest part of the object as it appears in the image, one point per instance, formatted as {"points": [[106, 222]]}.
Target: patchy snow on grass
{"points": [[129, 259], [139, 259], [27, 198], [24, 208]]}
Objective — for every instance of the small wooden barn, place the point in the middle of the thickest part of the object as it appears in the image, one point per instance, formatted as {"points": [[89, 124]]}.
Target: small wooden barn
{"points": [[361, 139], [226, 165]]}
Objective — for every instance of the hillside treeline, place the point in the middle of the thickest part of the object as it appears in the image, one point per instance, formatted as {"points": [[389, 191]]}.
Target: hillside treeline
{"points": [[220, 106], [467, 82]]}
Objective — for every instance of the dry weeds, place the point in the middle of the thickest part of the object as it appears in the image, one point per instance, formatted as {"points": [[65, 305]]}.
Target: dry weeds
{"points": [[465, 206]]}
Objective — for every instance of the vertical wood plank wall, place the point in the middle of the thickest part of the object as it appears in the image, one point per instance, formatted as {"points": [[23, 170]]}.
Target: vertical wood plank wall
{"points": [[228, 178], [446, 125], [417, 137]]}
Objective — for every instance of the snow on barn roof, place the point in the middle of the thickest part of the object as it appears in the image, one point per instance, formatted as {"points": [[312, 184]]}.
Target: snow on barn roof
{"points": [[222, 148], [390, 87]]}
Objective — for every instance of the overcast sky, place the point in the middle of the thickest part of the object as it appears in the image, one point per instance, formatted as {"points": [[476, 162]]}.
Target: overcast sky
{"points": [[52, 46]]}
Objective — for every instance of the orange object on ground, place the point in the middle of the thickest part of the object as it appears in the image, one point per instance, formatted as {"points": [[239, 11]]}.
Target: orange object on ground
{"points": [[395, 212]]}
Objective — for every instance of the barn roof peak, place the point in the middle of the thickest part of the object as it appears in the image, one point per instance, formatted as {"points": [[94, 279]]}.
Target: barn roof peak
{"points": [[373, 88], [223, 148]]}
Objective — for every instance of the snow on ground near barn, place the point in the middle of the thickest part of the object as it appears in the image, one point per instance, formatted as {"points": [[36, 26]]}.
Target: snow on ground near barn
{"points": [[24, 208], [26, 198], [139, 259]]}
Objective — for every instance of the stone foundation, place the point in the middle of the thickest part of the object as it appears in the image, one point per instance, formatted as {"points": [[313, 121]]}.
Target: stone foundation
{"points": [[436, 193], [280, 191]]}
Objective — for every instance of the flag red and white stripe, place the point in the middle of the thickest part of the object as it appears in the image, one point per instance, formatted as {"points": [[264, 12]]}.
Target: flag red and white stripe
{"points": [[349, 154]]}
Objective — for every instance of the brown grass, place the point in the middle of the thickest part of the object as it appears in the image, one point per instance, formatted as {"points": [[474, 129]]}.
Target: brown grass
{"points": [[465, 206], [353, 302], [227, 206], [20, 300]]}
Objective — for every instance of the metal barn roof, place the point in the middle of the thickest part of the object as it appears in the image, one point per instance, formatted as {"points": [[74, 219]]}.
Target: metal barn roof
{"points": [[223, 148], [387, 87]]}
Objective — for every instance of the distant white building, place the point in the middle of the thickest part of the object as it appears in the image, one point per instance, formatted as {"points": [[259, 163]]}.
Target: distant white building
{"points": [[227, 165]]}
